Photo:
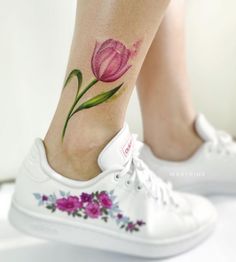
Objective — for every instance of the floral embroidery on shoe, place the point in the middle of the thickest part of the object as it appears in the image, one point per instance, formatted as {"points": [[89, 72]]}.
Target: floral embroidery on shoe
{"points": [[99, 205]]}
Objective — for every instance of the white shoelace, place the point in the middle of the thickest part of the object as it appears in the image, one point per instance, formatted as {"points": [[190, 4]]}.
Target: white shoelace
{"points": [[136, 174], [223, 144]]}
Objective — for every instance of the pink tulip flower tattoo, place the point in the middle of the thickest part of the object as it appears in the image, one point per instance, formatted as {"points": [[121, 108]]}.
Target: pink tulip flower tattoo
{"points": [[109, 62]]}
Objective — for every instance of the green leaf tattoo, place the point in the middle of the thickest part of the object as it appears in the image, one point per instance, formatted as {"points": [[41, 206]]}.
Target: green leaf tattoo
{"points": [[78, 74], [96, 100]]}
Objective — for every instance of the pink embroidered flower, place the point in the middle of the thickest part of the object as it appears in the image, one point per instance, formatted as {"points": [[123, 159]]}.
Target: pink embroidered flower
{"points": [[69, 204], [44, 198], [85, 197], [97, 205], [110, 60], [131, 226], [119, 216], [92, 210], [105, 200], [140, 223]]}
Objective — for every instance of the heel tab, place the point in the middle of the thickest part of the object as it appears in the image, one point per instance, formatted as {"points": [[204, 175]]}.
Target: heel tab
{"points": [[37, 150], [35, 161], [38, 142]]}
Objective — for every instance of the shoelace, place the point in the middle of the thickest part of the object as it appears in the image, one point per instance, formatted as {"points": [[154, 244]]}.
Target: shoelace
{"points": [[137, 174], [223, 144]]}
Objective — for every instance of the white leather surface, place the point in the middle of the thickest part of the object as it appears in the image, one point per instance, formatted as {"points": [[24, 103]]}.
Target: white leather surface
{"points": [[15, 246]]}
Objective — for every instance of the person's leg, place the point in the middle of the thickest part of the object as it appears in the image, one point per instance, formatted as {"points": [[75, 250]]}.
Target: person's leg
{"points": [[163, 85], [73, 148]]}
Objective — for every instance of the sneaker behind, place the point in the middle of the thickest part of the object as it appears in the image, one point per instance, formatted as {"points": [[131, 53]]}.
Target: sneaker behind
{"points": [[212, 168]]}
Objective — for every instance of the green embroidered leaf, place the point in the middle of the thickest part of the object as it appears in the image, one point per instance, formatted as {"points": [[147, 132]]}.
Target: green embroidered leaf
{"points": [[99, 99], [78, 74], [51, 207], [37, 196], [62, 193], [104, 219]]}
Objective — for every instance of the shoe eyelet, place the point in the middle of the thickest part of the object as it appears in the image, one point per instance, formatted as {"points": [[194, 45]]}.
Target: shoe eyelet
{"points": [[139, 188], [127, 182], [117, 177]]}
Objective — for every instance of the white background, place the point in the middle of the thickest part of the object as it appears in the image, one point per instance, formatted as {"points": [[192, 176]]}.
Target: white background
{"points": [[35, 39]]}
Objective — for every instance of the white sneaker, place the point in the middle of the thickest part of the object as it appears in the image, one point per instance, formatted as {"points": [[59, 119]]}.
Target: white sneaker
{"points": [[211, 170], [125, 209]]}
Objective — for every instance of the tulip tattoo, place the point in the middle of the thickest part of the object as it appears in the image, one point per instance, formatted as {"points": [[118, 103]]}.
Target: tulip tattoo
{"points": [[110, 61]]}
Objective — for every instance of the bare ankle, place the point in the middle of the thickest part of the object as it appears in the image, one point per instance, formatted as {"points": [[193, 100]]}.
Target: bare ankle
{"points": [[76, 157], [174, 144]]}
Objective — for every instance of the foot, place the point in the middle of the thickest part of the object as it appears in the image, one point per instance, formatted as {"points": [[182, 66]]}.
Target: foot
{"points": [[210, 170], [126, 208]]}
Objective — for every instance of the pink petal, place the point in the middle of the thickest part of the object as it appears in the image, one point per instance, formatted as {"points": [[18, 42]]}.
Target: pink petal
{"points": [[104, 61], [117, 75], [108, 43], [120, 47], [113, 66], [93, 61], [102, 58], [125, 57]]}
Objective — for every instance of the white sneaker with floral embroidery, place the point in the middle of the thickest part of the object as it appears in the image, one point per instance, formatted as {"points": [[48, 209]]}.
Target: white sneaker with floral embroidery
{"points": [[125, 209], [210, 170]]}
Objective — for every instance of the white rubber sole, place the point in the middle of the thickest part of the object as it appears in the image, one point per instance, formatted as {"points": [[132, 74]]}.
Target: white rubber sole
{"points": [[53, 229]]}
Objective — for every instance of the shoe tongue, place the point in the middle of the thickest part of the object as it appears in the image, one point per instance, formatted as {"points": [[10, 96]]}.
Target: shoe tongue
{"points": [[118, 151], [204, 129]]}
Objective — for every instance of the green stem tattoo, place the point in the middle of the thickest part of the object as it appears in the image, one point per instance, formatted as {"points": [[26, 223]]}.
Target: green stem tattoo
{"points": [[77, 98]]}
